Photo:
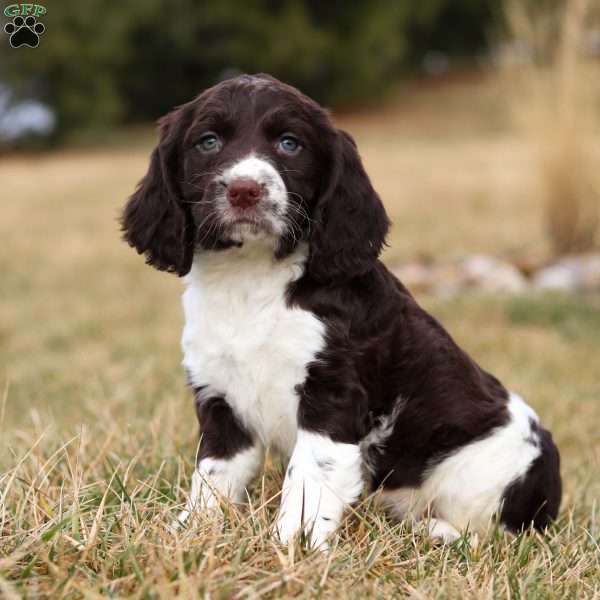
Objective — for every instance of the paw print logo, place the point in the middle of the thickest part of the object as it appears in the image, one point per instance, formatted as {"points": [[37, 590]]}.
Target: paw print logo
{"points": [[24, 32]]}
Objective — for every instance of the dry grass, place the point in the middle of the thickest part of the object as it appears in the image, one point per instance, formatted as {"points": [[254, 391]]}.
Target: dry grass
{"points": [[555, 96], [98, 434]]}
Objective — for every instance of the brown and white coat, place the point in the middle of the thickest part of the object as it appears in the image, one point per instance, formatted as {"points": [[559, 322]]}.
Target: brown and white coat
{"points": [[297, 337]]}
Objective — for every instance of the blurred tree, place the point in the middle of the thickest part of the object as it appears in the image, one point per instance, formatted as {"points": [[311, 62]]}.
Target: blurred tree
{"points": [[100, 64], [457, 29]]}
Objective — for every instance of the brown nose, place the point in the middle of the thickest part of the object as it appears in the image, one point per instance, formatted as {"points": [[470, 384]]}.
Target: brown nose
{"points": [[243, 193]]}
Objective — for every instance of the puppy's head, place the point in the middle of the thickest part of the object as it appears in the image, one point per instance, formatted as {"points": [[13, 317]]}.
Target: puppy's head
{"points": [[254, 158]]}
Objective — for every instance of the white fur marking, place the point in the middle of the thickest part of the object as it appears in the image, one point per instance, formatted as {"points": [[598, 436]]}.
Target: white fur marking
{"points": [[376, 439], [242, 339], [322, 478], [272, 206]]}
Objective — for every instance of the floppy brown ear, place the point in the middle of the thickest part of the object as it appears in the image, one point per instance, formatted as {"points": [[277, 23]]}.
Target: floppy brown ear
{"points": [[350, 220], [155, 221]]}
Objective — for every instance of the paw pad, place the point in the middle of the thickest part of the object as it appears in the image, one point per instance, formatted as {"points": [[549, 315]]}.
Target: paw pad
{"points": [[24, 32]]}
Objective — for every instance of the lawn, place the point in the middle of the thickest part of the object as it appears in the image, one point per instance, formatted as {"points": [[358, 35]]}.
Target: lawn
{"points": [[98, 431]]}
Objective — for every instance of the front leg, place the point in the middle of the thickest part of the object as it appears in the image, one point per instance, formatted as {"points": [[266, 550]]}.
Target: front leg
{"points": [[322, 478], [228, 456], [324, 474]]}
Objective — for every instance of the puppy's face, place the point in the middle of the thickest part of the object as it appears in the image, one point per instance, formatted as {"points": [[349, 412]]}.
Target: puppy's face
{"points": [[255, 158]]}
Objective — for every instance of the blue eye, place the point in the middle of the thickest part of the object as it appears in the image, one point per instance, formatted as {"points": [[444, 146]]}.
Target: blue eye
{"points": [[209, 142], [289, 144]]}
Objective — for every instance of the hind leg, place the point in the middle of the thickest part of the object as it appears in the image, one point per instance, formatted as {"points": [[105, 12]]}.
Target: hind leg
{"points": [[411, 503], [535, 498], [513, 473], [468, 488]]}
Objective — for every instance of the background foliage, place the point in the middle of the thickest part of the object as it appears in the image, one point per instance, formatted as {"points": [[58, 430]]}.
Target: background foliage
{"points": [[104, 64]]}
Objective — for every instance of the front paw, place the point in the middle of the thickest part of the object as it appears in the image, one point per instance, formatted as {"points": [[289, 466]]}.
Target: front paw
{"points": [[203, 499], [287, 527], [193, 516], [318, 530], [178, 524]]}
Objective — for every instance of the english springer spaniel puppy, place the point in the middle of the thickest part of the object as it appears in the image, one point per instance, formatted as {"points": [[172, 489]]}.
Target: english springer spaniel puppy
{"points": [[297, 337]]}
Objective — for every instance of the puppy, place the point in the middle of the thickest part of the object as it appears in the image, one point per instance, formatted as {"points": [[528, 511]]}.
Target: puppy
{"points": [[297, 337]]}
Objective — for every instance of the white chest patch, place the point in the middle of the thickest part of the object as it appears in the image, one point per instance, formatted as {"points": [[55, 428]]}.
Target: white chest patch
{"points": [[242, 340]]}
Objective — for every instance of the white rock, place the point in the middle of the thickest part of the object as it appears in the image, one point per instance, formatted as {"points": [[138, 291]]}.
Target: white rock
{"points": [[590, 273], [489, 274], [558, 278], [416, 276], [570, 274], [449, 279]]}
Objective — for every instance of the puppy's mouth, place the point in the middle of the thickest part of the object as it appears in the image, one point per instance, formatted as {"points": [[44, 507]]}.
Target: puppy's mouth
{"points": [[254, 218], [252, 223]]}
